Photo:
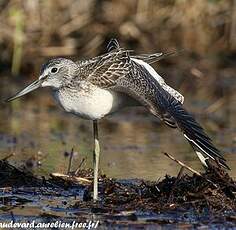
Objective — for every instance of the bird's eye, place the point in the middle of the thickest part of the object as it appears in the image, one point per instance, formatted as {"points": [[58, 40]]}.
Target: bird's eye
{"points": [[54, 70]]}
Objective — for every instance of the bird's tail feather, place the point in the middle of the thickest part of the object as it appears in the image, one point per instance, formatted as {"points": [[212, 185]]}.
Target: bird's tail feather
{"points": [[193, 132], [155, 57]]}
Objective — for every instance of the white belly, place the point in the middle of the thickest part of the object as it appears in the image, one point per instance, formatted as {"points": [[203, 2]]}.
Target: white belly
{"points": [[92, 104]]}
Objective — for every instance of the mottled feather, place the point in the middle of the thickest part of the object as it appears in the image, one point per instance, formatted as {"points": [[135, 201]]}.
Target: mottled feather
{"points": [[116, 71]]}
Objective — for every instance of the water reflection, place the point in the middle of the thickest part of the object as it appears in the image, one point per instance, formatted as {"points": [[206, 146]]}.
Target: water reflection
{"points": [[36, 130]]}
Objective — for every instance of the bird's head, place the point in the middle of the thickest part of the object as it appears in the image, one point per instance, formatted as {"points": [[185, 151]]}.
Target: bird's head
{"points": [[55, 73]]}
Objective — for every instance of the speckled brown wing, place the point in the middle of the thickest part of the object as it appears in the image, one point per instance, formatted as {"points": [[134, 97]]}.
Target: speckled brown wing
{"points": [[116, 71], [109, 68], [162, 104]]}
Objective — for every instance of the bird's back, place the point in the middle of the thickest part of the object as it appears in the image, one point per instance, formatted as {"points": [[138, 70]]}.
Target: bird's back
{"points": [[119, 73]]}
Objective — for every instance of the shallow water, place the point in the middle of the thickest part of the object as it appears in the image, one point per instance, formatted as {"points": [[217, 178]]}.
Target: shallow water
{"points": [[39, 133], [41, 136]]}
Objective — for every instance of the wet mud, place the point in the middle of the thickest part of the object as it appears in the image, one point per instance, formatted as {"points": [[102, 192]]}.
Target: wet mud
{"points": [[182, 201]]}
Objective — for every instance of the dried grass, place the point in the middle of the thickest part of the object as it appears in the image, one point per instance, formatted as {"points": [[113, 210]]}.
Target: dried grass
{"points": [[33, 29]]}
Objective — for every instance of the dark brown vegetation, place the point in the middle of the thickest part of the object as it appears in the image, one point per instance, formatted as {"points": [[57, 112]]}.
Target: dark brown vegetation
{"points": [[214, 191], [189, 192], [33, 29]]}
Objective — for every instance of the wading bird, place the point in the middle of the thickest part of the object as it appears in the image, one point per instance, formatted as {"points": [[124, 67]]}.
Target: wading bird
{"points": [[94, 88]]}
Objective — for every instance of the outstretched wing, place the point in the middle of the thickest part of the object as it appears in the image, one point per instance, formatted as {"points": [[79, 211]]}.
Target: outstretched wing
{"points": [[109, 68], [191, 129], [169, 109], [152, 58], [117, 71]]}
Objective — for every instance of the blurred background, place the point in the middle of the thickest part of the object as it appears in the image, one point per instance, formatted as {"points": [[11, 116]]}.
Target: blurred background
{"points": [[41, 136]]}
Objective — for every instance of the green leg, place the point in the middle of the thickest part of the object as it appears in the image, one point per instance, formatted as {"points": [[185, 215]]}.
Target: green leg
{"points": [[95, 160]]}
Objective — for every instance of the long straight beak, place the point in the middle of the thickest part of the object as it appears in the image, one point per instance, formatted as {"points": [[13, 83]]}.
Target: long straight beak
{"points": [[33, 86]]}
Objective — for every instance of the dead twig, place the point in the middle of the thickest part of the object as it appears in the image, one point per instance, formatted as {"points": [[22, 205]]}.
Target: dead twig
{"points": [[176, 182], [70, 160], [71, 178], [80, 165], [189, 168], [8, 156]]}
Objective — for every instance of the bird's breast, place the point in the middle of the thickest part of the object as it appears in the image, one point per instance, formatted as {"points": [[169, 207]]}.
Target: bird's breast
{"points": [[89, 101]]}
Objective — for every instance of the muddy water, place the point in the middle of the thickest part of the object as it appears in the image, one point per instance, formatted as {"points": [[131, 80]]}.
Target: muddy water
{"points": [[41, 135]]}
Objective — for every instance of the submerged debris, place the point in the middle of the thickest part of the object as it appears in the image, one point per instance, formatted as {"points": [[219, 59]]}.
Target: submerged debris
{"points": [[190, 192], [213, 192], [10, 176]]}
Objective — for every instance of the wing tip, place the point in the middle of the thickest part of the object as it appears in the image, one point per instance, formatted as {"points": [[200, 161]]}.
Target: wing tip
{"points": [[113, 44], [220, 161]]}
